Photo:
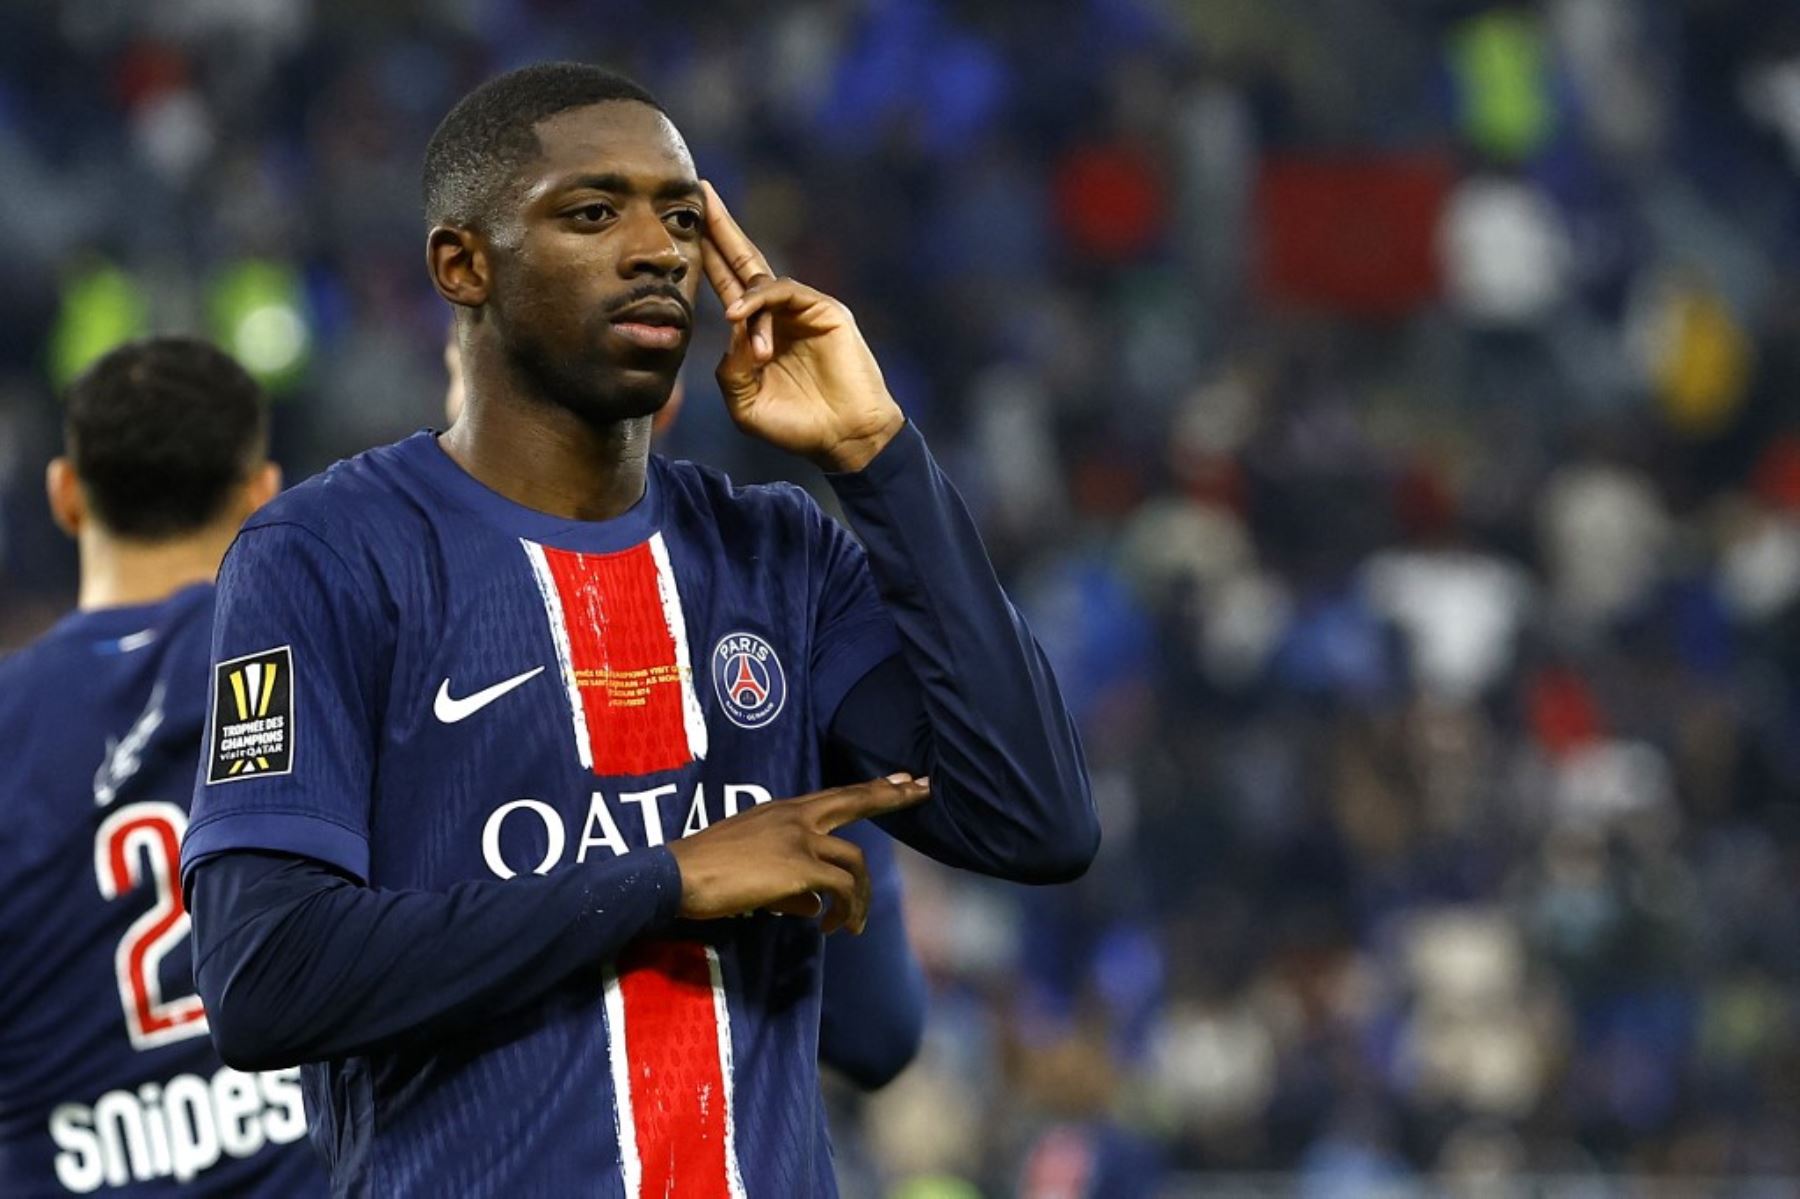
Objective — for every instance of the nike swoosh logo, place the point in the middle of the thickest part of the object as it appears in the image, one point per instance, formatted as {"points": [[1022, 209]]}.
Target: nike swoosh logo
{"points": [[450, 710]]}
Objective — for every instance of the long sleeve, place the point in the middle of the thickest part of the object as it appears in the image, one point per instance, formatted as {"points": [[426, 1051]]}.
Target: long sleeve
{"points": [[873, 1013], [297, 962], [1010, 794]]}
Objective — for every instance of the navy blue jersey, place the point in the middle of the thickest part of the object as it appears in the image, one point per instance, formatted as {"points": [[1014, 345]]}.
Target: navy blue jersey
{"points": [[108, 1083], [422, 683]]}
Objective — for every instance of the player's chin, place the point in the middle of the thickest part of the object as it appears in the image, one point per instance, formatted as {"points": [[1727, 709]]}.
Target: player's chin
{"points": [[632, 391]]}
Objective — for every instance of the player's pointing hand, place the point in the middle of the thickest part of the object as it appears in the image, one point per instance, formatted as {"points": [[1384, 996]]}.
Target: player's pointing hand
{"points": [[782, 856], [797, 373]]}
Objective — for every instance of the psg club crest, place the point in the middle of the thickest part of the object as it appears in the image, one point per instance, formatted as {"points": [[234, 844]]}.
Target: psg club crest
{"points": [[747, 676]]}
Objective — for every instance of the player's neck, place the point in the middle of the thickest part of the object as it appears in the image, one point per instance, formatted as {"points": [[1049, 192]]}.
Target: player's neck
{"points": [[549, 459], [117, 573]]}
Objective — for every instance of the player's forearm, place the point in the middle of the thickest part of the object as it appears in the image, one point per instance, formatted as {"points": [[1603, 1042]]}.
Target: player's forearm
{"points": [[874, 1014], [872, 1017], [298, 963], [1010, 788]]}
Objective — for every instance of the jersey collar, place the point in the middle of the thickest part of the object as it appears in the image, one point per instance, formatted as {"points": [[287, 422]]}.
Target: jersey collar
{"points": [[131, 624], [452, 482]]}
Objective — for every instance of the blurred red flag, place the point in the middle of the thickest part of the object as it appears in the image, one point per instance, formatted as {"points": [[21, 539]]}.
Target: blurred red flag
{"points": [[1109, 201], [1351, 235]]}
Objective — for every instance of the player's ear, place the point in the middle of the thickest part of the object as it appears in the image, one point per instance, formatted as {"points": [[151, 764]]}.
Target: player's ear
{"points": [[458, 261], [68, 507]]}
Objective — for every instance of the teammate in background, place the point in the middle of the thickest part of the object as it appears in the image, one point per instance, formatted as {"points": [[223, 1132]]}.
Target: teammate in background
{"points": [[872, 1005], [108, 1082], [519, 838]]}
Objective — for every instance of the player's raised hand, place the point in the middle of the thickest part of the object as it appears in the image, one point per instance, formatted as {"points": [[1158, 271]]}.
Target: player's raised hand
{"points": [[782, 856], [798, 373]]}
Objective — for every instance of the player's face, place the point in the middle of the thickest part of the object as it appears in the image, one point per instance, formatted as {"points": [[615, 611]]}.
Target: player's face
{"points": [[595, 297]]}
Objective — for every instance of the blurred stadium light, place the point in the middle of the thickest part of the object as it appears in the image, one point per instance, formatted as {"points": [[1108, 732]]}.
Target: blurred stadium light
{"points": [[101, 306], [257, 311]]}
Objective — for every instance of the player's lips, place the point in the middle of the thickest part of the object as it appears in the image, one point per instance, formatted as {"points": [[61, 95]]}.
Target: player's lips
{"points": [[655, 323]]}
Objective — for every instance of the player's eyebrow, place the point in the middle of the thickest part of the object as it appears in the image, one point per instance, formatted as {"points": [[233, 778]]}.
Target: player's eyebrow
{"points": [[670, 189]]}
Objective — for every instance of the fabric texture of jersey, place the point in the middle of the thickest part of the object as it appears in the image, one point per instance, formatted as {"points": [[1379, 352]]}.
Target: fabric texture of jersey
{"points": [[483, 691], [108, 1082]]}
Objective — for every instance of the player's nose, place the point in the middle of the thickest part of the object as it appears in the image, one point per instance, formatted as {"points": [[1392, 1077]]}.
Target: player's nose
{"points": [[651, 250]]}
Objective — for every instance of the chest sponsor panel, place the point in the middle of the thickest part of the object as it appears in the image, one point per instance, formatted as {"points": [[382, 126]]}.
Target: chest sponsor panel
{"points": [[666, 1015], [570, 705]]}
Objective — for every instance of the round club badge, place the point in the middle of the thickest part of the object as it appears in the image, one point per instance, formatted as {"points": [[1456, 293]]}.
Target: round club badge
{"points": [[748, 680]]}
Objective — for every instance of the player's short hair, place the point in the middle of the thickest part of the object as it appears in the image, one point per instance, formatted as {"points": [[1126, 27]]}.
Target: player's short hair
{"points": [[481, 144], [160, 432]]}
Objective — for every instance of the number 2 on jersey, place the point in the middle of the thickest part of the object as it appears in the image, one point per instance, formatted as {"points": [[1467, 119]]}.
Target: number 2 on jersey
{"points": [[142, 842]]}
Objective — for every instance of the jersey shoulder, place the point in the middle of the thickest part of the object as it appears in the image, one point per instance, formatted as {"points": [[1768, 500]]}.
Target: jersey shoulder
{"points": [[75, 657], [103, 705], [45, 659], [360, 500], [363, 519], [781, 511]]}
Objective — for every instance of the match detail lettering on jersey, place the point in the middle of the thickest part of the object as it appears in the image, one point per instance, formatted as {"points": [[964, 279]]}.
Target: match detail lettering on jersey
{"points": [[621, 645], [252, 716], [669, 1035]]}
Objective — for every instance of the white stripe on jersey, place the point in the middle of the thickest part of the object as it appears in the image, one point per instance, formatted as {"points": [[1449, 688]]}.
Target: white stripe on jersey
{"points": [[691, 714], [559, 633]]}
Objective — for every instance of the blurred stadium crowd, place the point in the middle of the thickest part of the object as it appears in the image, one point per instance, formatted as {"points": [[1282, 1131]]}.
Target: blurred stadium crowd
{"points": [[1387, 410]]}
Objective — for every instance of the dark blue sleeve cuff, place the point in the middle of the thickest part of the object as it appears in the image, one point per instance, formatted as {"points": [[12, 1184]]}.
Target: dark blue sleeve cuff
{"points": [[299, 833], [661, 871], [904, 454]]}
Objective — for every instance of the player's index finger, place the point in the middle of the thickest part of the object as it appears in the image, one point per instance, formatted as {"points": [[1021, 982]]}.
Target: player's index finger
{"points": [[878, 797], [734, 245], [719, 273]]}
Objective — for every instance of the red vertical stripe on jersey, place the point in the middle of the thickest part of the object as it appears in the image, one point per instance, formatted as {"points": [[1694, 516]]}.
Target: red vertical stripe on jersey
{"points": [[678, 1084], [623, 654], [629, 673]]}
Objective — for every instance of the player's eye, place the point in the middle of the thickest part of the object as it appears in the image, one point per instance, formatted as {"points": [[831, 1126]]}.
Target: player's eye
{"points": [[593, 214], [685, 219]]}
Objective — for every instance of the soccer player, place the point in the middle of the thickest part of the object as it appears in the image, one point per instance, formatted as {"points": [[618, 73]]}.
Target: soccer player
{"points": [[872, 1001], [108, 1083], [517, 818]]}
